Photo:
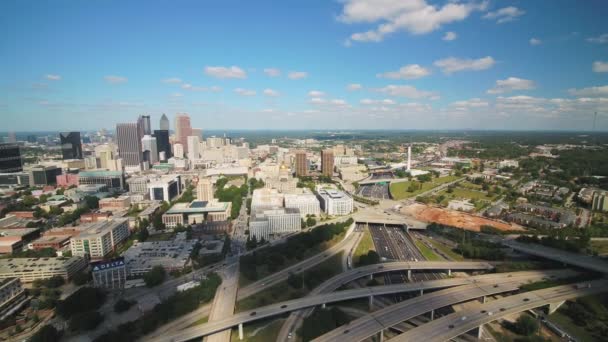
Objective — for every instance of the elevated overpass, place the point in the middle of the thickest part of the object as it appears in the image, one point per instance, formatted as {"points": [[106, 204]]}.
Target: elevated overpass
{"points": [[484, 285], [575, 259], [456, 324], [335, 282]]}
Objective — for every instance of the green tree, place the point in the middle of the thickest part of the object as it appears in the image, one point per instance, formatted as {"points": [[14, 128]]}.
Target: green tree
{"points": [[85, 321], [142, 234], [155, 276], [122, 305], [47, 333], [296, 281], [92, 202], [526, 325]]}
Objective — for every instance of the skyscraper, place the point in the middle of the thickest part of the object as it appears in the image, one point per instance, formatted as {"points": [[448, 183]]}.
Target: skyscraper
{"points": [[178, 150], [193, 147], [128, 139], [10, 158], [182, 130], [162, 142], [71, 146], [301, 164], [149, 147], [146, 124], [327, 162], [164, 123]]}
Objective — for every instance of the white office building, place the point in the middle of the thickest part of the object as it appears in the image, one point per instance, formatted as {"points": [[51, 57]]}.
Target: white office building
{"points": [[100, 238], [178, 150], [335, 202], [193, 147], [148, 146], [266, 199], [269, 223], [305, 201], [166, 188], [204, 190]]}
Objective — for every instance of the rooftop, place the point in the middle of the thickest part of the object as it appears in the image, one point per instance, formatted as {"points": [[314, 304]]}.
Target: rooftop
{"points": [[100, 173], [197, 207]]}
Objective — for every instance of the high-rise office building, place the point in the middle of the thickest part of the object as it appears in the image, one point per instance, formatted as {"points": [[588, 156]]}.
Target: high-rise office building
{"points": [[164, 123], [162, 142], [107, 155], [128, 139], [178, 150], [327, 162], [146, 124], [10, 158], [182, 130], [193, 147], [301, 164], [204, 190], [149, 147], [71, 146]]}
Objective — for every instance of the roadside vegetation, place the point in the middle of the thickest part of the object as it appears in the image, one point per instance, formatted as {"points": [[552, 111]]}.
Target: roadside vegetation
{"points": [[403, 190]]}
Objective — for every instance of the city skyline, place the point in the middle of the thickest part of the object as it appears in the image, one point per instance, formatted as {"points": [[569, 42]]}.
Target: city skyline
{"points": [[321, 65]]}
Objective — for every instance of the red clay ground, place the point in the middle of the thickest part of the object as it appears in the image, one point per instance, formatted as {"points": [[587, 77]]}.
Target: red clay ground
{"points": [[455, 218]]}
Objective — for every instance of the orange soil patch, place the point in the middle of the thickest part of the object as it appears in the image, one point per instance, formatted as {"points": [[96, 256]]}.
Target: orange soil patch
{"points": [[455, 218]]}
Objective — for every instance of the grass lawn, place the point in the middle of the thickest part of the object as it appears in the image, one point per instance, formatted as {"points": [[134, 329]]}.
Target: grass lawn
{"points": [[263, 271], [564, 322], [259, 331], [282, 292], [446, 250], [399, 190], [365, 245], [427, 252], [160, 237], [200, 321], [600, 247]]}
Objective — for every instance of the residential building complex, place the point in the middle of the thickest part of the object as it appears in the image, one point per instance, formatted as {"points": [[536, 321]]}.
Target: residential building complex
{"points": [[98, 239]]}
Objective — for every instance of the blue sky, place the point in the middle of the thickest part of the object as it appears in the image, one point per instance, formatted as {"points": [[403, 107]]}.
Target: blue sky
{"points": [[420, 64]]}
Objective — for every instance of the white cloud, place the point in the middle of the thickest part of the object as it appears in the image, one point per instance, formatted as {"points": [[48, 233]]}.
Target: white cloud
{"points": [[535, 41], [415, 17], [411, 71], [469, 104], [215, 89], [354, 87], [296, 75], [177, 95], [339, 102], [190, 87], [316, 93], [245, 92], [271, 92], [449, 36], [452, 64], [172, 80], [317, 100], [272, 72], [407, 91], [225, 72], [112, 79], [504, 15], [52, 77], [377, 102], [599, 66], [511, 84], [601, 39], [599, 91]]}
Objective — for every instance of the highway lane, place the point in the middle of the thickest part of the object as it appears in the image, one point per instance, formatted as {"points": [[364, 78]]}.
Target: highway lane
{"points": [[484, 285], [580, 260], [456, 324], [224, 302], [326, 298], [192, 317]]}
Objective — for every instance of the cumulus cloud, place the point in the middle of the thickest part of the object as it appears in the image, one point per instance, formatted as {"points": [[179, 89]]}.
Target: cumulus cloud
{"points": [[407, 91], [449, 36], [452, 64], [601, 39], [271, 92], [272, 72], [172, 80], [511, 84], [599, 91], [504, 15], [245, 92], [354, 87], [52, 77], [317, 100], [316, 93], [297, 75], [469, 104], [535, 41], [411, 71], [600, 66], [377, 102], [225, 72], [415, 17], [113, 79]]}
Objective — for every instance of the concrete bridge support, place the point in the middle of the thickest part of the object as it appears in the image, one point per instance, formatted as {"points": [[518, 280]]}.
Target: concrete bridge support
{"points": [[241, 331], [409, 275], [371, 303], [554, 306], [479, 332], [449, 273], [432, 315], [323, 306]]}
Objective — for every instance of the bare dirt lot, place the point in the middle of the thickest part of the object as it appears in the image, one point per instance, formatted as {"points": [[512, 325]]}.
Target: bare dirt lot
{"points": [[454, 218]]}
